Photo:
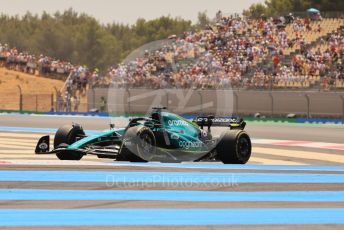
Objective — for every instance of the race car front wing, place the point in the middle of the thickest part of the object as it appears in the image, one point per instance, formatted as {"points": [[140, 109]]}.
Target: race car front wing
{"points": [[43, 147]]}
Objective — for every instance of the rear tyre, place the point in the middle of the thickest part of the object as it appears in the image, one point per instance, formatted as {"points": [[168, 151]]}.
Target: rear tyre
{"points": [[68, 134], [139, 145], [234, 147]]}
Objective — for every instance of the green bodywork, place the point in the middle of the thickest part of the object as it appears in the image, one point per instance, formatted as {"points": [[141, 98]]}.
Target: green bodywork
{"points": [[107, 135], [183, 137]]}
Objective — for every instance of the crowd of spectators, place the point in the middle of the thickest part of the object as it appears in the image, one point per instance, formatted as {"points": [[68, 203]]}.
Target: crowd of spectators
{"points": [[17, 60], [324, 61], [240, 52], [226, 54], [215, 57], [231, 52], [79, 80]]}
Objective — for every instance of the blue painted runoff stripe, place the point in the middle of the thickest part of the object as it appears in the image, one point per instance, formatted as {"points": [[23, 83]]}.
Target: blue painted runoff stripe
{"points": [[172, 195], [27, 129], [320, 120], [190, 217], [219, 165], [179, 178], [84, 114]]}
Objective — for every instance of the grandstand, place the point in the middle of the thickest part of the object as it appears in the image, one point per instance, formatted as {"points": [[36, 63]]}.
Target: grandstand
{"points": [[251, 53], [326, 25], [233, 52]]}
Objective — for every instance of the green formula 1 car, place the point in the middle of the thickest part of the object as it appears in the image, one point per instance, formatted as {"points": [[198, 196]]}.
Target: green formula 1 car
{"points": [[163, 136]]}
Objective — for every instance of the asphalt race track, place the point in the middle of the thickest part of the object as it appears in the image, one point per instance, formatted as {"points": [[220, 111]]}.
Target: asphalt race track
{"points": [[295, 178], [332, 134]]}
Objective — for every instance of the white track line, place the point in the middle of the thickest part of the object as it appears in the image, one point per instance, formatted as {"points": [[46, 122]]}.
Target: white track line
{"points": [[22, 135], [57, 162], [6, 157], [307, 144], [266, 161], [300, 154], [18, 145], [14, 146], [16, 151], [5, 140]]}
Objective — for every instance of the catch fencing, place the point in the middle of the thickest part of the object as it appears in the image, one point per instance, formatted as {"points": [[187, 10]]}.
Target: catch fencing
{"points": [[37, 102], [27, 102]]}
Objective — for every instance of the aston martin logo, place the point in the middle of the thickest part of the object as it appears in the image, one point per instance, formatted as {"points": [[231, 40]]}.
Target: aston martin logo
{"points": [[43, 146]]}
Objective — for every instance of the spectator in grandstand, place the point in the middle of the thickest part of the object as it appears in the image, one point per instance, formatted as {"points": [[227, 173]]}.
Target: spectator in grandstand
{"points": [[218, 15], [289, 18], [316, 16], [103, 104], [68, 102], [75, 102], [59, 102], [276, 61]]}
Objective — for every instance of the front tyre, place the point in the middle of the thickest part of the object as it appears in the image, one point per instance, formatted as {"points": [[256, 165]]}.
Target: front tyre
{"points": [[139, 145], [234, 147], [67, 135]]}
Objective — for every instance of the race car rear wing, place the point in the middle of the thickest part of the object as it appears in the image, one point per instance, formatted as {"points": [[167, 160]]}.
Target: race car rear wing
{"points": [[208, 121]]}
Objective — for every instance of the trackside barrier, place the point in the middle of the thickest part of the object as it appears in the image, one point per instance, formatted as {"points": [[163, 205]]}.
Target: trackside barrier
{"points": [[99, 114], [306, 104], [190, 117]]}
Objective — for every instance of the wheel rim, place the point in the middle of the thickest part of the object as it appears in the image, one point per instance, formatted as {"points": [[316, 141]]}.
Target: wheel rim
{"points": [[146, 145], [244, 146]]}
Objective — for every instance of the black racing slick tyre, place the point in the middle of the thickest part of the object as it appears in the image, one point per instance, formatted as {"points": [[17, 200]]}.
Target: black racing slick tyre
{"points": [[68, 134], [234, 147], [139, 145]]}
